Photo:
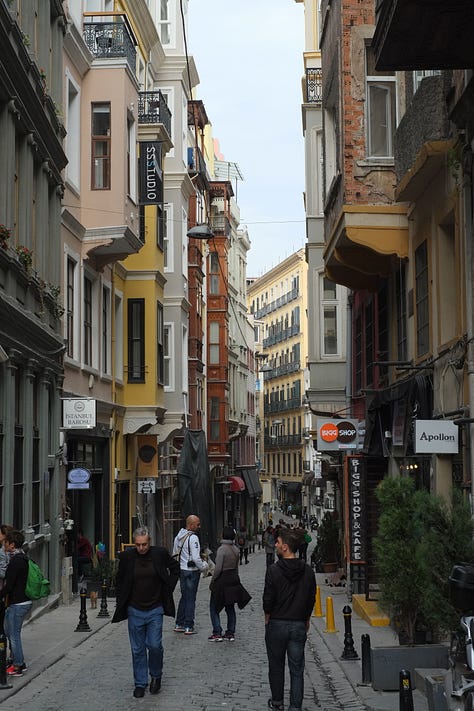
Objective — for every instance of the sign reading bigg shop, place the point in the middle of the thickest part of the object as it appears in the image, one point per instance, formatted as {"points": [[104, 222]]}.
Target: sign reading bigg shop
{"points": [[337, 435], [356, 477]]}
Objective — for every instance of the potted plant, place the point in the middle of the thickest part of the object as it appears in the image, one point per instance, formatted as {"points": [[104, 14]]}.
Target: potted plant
{"points": [[5, 234], [328, 542], [25, 256], [419, 539]]}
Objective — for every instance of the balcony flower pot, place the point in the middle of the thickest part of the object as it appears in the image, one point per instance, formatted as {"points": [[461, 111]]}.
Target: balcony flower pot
{"points": [[25, 256]]}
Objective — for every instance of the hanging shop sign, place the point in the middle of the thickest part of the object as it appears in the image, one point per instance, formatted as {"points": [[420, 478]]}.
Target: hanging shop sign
{"points": [[79, 413], [151, 174], [356, 474], [146, 486], [436, 437], [78, 478], [337, 435]]}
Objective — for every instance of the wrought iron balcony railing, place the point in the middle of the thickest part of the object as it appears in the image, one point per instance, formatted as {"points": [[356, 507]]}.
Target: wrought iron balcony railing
{"points": [[314, 79], [109, 40], [152, 108]]}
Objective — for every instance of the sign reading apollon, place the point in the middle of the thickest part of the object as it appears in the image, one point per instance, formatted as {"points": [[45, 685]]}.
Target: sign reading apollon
{"points": [[78, 413], [436, 437]]}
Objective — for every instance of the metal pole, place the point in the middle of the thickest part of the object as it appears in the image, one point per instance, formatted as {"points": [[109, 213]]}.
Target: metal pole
{"points": [[406, 692], [349, 651], [83, 625], [103, 601], [366, 659]]}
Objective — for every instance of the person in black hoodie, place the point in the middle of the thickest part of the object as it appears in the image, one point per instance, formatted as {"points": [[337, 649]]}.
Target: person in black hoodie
{"points": [[18, 604], [288, 599]]}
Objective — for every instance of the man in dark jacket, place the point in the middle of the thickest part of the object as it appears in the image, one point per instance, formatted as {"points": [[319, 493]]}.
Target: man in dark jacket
{"points": [[288, 599], [19, 604], [146, 578]]}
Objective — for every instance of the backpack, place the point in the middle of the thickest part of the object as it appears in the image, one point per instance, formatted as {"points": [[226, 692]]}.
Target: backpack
{"points": [[36, 584]]}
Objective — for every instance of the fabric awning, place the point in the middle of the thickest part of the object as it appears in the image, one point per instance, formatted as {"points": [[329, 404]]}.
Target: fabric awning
{"points": [[236, 484], [252, 481]]}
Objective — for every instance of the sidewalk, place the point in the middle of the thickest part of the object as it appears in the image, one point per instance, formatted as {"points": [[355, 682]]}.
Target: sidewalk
{"points": [[50, 634], [352, 669]]}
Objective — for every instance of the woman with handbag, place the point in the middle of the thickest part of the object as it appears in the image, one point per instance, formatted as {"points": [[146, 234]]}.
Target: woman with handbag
{"points": [[226, 588]]}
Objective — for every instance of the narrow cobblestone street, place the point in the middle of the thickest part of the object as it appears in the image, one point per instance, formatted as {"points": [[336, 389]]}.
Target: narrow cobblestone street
{"points": [[198, 674]]}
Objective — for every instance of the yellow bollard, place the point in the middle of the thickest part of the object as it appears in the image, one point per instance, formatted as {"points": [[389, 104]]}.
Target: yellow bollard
{"points": [[330, 626], [317, 610]]}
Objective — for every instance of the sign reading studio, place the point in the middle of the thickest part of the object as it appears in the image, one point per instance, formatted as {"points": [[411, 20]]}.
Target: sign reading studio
{"points": [[436, 437], [151, 175]]}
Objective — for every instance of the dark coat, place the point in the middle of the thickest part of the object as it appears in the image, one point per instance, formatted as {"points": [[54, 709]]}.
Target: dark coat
{"points": [[167, 569], [227, 590]]}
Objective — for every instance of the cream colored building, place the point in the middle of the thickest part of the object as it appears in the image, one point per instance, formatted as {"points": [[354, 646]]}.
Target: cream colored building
{"points": [[278, 301]]}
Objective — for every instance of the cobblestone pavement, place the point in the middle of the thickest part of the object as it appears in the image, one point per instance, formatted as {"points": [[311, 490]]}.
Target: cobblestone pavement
{"points": [[198, 674]]}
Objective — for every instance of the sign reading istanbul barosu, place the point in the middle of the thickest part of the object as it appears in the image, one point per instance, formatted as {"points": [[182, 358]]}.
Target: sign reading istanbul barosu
{"points": [[151, 175], [436, 437], [78, 413], [357, 508], [336, 435]]}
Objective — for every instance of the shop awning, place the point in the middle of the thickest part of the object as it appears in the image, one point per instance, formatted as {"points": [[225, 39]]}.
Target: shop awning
{"points": [[236, 484], [252, 481]]}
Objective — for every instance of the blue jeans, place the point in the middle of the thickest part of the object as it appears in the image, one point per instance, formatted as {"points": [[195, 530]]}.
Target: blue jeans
{"points": [[14, 618], [145, 632], [189, 581], [286, 637], [216, 620]]}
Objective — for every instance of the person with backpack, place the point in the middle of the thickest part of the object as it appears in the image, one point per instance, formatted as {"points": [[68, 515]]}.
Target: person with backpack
{"points": [[19, 605]]}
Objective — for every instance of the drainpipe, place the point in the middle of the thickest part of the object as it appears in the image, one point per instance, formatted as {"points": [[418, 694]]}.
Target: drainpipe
{"points": [[468, 224]]}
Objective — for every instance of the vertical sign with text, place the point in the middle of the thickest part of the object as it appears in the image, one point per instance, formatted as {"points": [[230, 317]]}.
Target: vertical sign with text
{"points": [[356, 478], [151, 174]]}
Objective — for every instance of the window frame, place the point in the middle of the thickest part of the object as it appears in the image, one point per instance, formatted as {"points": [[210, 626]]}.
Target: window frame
{"points": [[104, 159], [136, 340], [387, 82]]}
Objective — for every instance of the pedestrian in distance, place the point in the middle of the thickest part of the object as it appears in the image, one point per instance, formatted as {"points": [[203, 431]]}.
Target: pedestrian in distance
{"points": [[84, 554], [18, 604], [288, 599], [146, 578], [242, 540], [226, 588], [187, 550], [269, 544]]}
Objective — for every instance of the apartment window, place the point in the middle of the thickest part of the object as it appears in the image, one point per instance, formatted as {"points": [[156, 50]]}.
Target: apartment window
{"points": [[118, 320], [100, 150], [164, 22], [214, 420], [381, 109], [213, 343], [70, 278], [87, 329], [160, 352], [330, 308], [401, 306], [167, 238], [73, 136], [131, 159], [422, 299], [369, 343], [420, 74], [213, 273], [136, 340], [105, 329], [168, 337]]}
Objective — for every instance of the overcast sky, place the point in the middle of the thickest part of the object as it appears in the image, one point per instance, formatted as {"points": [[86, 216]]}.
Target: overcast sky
{"points": [[249, 57]]}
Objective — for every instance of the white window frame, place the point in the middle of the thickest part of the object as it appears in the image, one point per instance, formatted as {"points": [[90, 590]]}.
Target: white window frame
{"points": [[420, 74], [169, 22], [118, 320], [168, 241], [184, 367], [184, 242], [73, 136], [92, 277], [168, 360], [106, 367], [168, 94], [333, 303], [387, 83], [77, 335]]}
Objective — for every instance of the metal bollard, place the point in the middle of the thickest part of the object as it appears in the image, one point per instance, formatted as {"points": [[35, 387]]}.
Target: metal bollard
{"points": [[366, 659], [83, 625], [406, 692], [349, 651], [3, 662], [103, 601]]}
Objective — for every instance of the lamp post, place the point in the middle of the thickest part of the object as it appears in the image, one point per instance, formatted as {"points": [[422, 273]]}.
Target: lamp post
{"points": [[202, 231]]}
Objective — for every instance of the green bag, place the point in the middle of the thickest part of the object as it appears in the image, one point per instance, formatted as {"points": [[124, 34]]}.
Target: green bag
{"points": [[37, 586]]}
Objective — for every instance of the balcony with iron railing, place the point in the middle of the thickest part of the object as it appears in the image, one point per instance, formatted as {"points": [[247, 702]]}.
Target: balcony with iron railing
{"points": [[271, 441], [111, 40], [277, 303], [293, 403], [220, 225], [314, 83], [281, 335], [152, 109], [280, 370]]}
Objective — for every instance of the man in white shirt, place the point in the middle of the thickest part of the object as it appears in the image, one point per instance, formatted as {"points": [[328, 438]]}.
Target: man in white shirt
{"points": [[187, 548]]}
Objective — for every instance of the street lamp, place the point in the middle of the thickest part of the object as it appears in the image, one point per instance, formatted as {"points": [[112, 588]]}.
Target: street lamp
{"points": [[202, 231]]}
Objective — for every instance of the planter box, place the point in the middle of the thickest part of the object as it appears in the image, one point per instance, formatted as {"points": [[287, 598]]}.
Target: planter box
{"points": [[387, 662]]}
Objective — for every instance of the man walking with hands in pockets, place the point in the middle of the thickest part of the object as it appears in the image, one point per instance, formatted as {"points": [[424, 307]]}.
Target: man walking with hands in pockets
{"points": [[288, 598], [187, 549]]}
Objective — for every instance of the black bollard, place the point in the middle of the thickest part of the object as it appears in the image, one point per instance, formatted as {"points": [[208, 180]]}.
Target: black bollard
{"points": [[103, 601], [3, 662], [349, 651], [406, 692], [83, 625], [366, 659]]}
